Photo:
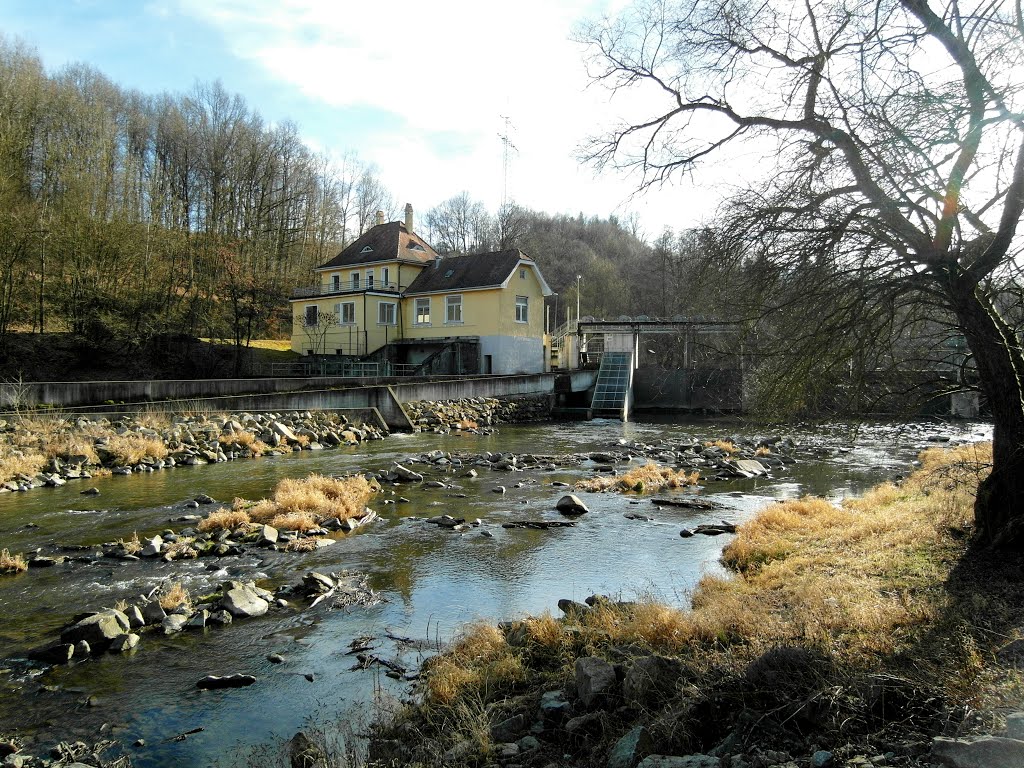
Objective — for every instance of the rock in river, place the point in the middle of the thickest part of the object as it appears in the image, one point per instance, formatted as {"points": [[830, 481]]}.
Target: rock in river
{"points": [[571, 504], [242, 599], [211, 682], [99, 630]]}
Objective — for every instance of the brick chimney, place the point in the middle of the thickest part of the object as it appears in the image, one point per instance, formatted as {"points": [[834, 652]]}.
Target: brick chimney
{"points": [[408, 218], [380, 218]]}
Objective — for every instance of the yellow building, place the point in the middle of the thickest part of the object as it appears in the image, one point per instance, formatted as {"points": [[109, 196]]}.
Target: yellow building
{"points": [[389, 298]]}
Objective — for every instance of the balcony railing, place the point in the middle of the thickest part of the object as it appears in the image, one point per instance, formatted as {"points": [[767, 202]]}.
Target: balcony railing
{"points": [[330, 289]]}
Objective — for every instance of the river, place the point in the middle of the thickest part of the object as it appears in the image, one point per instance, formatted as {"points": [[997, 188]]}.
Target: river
{"points": [[430, 580]]}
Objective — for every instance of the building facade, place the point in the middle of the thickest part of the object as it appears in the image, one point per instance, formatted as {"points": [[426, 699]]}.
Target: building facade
{"points": [[390, 297]]}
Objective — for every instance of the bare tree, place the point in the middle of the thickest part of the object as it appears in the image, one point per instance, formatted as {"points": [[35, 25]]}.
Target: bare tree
{"points": [[899, 135]]}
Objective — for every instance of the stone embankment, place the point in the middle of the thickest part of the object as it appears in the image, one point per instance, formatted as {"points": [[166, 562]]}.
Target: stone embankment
{"points": [[51, 451], [476, 413]]}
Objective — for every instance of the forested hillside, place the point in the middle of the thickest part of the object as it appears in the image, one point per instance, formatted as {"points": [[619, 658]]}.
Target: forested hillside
{"points": [[128, 217]]}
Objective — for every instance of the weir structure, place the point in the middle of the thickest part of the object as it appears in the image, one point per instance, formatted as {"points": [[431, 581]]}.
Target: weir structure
{"points": [[678, 372]]}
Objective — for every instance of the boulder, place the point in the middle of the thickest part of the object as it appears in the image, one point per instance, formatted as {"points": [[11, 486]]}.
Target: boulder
{"points": [[153, 612], [242, 600], [571, 504], [978, 752], [174, 623], [651, 680], [595, 680], [405, 474], [1015, 726], [267, 534], [55, 653], [631, 748], [124, 643], [509, 729], [571, 608], [554, 707], [153, 547], [99, 630]]}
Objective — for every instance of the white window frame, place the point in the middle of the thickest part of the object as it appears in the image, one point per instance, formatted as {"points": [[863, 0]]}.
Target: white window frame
{"points": [[453, 310], [381, 319], [340, 311], [311, 320], [524, 303], [419, 317], [336, 282], [369, 279], [355, 281], [385, 278]]}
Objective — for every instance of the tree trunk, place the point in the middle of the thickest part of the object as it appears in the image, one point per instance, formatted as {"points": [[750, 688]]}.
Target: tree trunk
{"points": [[999, 504]]}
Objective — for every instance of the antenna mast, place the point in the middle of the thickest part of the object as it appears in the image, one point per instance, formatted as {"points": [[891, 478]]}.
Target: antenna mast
{"points": [[507, 148]]}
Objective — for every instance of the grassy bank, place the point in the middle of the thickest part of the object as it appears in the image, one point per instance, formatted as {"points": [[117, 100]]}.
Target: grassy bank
{"points": [[865, 627]]}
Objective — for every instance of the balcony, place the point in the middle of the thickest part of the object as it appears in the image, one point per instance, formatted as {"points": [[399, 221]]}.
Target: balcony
{"points": [[312, 291]]}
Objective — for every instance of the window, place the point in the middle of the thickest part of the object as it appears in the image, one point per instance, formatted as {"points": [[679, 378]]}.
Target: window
{"points": [[312, 317], [336, 282], [522, 309], [386, 314], [367, 249], [453, 309], [369, 279], [355, 281], [422, 311], [346, 312], [385, 278], [522, 274]]}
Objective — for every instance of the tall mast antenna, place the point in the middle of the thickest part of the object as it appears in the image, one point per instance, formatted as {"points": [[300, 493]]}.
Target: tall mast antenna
{"points": [[507, 149]]}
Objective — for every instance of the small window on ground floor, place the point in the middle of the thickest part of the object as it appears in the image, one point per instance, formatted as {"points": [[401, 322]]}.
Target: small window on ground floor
{"points": [[312, 316]]}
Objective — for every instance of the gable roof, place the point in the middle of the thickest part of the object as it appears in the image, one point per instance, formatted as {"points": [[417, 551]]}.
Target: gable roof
{"points": [[384, 242], [479, 270]]}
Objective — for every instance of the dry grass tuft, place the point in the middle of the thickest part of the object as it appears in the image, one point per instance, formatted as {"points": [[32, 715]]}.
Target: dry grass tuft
{"points": [[308, 544], [66, 445], [14, 462], [478, 662], [302, 522], [725, 445], [174, 597], [246, 441], [649, 478], [131, 449], [223, 520], [133, 546], [12, 563]]}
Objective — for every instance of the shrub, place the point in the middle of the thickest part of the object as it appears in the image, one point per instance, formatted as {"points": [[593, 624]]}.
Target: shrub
{"points": [[646, 479], [12, 563]]}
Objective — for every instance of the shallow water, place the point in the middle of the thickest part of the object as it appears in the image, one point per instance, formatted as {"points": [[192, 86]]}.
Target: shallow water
{"points": [[430, 580]]}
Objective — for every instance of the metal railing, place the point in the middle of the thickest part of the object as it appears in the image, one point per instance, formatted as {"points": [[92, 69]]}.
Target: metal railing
{"points": [[339, 369], [330, 289]]}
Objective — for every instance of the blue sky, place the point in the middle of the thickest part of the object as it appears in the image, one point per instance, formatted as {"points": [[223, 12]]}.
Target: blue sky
{"points": [[418, 89]]}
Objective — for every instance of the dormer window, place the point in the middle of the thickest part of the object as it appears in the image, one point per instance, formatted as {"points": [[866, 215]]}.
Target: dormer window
{"points": [[449, 273], [416, 247], [367, 249]]}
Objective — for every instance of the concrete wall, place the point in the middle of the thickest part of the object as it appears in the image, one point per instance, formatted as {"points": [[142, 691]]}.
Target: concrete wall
{"points": [[511, 354], [283, 394], [713, 389]]}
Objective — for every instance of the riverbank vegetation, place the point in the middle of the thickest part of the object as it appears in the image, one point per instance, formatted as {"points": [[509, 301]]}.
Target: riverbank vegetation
{"points": [[648, 478], [297, 505], [861, 627]]}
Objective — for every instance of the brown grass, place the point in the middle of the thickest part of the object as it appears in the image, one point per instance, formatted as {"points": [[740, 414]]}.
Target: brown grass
{"points": [[245, 440], [12, 563], [14, 462], [174, 597], [65, 445], [649, 478], [726, 445], [133, 545], [131, 449], [480, 658], [303, 504], [223, 520], [860, 582]]}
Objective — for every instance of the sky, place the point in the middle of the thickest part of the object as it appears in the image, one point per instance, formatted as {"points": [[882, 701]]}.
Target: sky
{"points": [[420, 89]]}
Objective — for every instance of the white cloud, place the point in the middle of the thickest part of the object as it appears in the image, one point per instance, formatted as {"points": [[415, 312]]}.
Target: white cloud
{"points": [[447, 68]]}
